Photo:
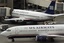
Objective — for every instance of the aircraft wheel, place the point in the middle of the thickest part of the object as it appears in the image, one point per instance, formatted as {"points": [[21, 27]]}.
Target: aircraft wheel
{"points": [[13, 40], [51, 39]]}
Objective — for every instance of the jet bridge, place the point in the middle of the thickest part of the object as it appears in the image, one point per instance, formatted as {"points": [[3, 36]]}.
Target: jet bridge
{"points": [[4, 12]]}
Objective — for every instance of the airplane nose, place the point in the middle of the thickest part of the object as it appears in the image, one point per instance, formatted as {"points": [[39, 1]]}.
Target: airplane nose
{"points": [[2, 34]]}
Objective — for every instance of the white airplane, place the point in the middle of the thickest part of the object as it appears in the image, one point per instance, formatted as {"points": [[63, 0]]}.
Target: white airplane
{"points": [[26, 15], [40, 32]]}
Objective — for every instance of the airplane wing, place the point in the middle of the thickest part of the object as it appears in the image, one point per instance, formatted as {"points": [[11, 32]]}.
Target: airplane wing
{"points": [[16, 19], [54, 36]]}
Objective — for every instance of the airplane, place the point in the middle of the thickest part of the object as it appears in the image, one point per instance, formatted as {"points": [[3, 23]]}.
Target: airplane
{"points": [[27, 16], [40, 32]]}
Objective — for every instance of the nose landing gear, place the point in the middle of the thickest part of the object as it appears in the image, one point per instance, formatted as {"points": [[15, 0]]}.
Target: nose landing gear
{"points": [[13, 40]]}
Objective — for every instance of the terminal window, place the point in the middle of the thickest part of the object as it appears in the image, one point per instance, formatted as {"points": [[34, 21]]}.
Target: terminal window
{"points": [[60, 0], [60, 7], [2, 11]]}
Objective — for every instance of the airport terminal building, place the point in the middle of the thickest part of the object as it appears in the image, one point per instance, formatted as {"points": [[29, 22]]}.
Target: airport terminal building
{"points": [[39, 5], [31, 4]]}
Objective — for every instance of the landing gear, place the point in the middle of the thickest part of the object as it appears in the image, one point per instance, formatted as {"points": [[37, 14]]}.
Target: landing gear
{"points": [[13, 40], [51, 39]]}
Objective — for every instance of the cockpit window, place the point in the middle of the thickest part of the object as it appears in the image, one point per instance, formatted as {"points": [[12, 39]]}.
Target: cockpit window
{"points": [[8, 30]]}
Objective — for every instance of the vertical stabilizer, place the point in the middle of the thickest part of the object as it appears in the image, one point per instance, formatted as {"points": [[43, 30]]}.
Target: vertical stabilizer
{"points": [[51, 8]]}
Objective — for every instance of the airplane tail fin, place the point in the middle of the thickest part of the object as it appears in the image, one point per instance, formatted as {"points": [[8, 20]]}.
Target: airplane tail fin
{"points": [[51, 8]]}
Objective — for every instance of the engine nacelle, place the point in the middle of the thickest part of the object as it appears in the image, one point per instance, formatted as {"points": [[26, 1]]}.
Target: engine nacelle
{"points": [[41, 38]]}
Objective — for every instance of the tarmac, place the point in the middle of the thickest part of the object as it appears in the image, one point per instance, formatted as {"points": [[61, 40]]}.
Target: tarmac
{"points": [[28, 40]]}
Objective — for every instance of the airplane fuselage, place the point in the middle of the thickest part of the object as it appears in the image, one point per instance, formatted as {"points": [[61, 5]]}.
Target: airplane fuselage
{"points": [[34, 30], [30, 14]]}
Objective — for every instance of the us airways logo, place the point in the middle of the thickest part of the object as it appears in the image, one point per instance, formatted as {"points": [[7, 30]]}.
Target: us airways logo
{"points": [[51, 8]]}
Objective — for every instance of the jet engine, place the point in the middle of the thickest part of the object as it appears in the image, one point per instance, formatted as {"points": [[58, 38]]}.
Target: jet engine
{"points": [[41, 38]]}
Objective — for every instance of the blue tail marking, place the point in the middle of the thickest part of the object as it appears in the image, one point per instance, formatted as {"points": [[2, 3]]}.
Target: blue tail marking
{"points": [[51, 8]]}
